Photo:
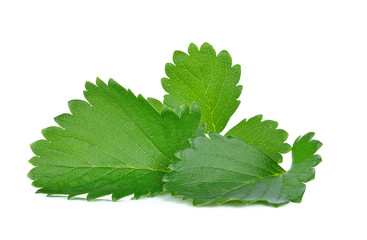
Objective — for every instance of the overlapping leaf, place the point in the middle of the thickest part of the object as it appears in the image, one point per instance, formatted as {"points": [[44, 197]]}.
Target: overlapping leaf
{"points": [[207, 79], [263, 135], [155, 103], [116, 144], [222, 169], [120, 144]]}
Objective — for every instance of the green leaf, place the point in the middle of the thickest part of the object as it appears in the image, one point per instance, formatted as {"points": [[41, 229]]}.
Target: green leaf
{"points": [[155, 103], [158, 106], [116, 144], [302, 169], [207, 79], [263, 135], [213, 167], [222, 169]]}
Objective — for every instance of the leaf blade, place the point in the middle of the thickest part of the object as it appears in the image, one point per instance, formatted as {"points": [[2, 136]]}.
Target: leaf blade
{"points": [[213, 167], [263, 135], [116, 143], [275, 190], [208, 79]]}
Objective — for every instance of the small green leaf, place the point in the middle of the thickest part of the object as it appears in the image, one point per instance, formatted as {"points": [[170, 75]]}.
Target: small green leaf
{"points": [[302, 169], [155, 103], [116, 144], [207, 79], [263, 135], [222, 169]]}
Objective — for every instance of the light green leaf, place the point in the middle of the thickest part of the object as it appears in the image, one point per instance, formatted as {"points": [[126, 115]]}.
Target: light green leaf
{"points": [[263, 135], [116, 144], [158, 106], [207, 79], [155, 103], [222, 169]]}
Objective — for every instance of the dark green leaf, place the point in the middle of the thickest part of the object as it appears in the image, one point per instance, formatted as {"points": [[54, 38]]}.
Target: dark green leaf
{"points": [[222, 169]]}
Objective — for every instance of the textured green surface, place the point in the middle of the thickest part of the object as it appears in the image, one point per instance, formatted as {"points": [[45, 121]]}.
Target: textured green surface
{"points": [[116, 144], [222, 169], [155, 103], [263, 135], [207, 79]]}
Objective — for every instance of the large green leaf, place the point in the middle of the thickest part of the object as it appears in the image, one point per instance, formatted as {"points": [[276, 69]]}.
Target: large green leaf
{"points": [[207, 79], [213, 167], [116, 144], [263, 135], [222, 169]]}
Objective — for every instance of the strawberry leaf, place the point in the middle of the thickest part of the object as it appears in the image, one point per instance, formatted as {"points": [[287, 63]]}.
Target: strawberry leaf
{"points": [[263, 135], [207, 79], [116, 144], [155, 103], [222, 169]]}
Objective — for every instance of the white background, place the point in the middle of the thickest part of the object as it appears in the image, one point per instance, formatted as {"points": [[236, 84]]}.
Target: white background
{"points": [[304, 64]]}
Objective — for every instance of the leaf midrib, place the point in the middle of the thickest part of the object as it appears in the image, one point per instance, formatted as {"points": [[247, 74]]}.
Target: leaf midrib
{"points": [[113, 167], [93, 166]]}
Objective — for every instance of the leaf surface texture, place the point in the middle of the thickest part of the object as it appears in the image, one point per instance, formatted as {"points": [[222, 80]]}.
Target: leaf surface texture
{"points": [[263, 135], [208, 79], [221, 169], [116, 143]]}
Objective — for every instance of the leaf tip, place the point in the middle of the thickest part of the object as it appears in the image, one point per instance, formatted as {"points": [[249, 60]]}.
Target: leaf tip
{"points": [[206, 45], [193, 46], [112, 81]]}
